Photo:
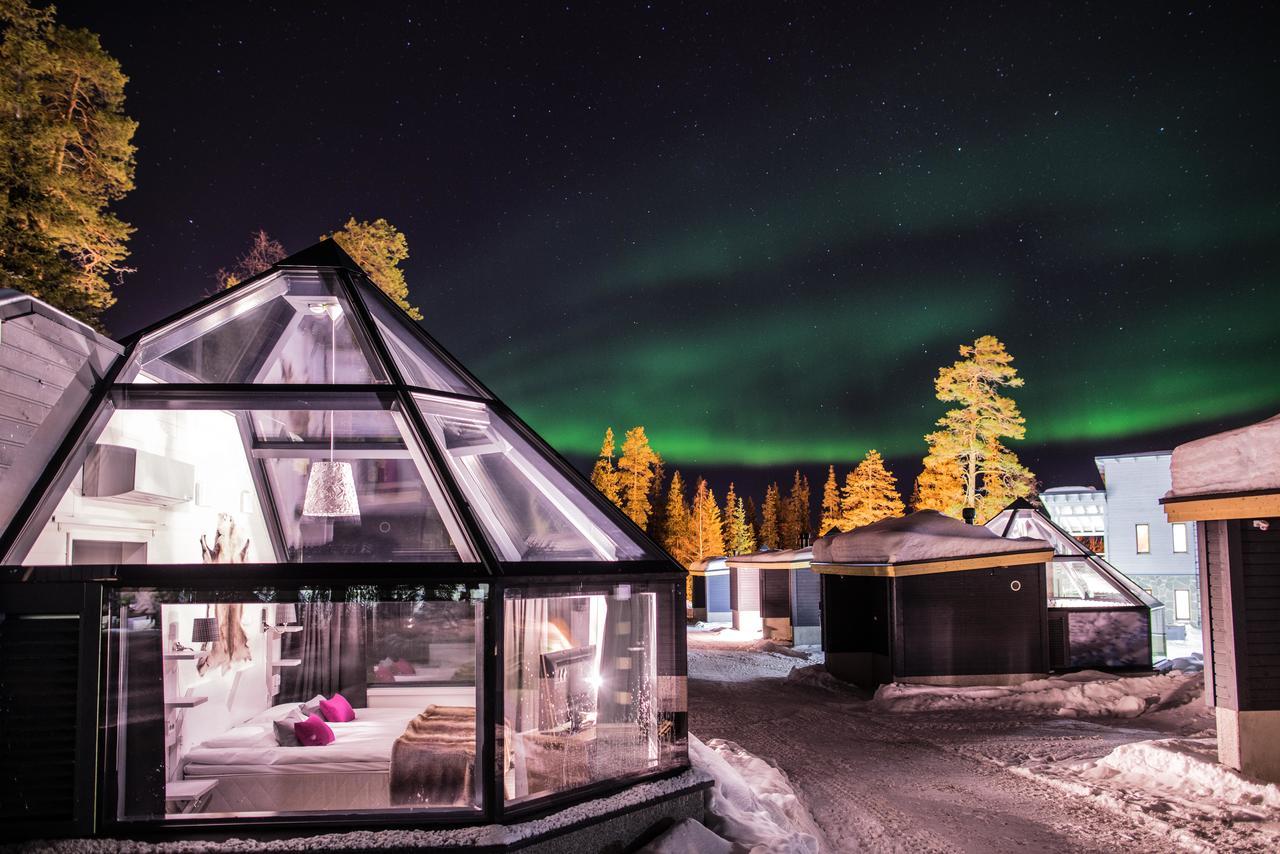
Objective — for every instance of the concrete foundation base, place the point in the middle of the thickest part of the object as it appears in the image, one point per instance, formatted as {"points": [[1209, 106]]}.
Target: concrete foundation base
{"points": [[777, 628], [719, 616], [806, 635], [968, 681], [1250, 742], [698, 614]]}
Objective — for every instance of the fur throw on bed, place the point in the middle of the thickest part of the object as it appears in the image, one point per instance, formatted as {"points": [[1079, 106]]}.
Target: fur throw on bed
{"points": [[431, 764]]}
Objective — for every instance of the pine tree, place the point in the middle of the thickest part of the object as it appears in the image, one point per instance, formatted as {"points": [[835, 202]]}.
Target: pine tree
{"points": [[66, 153], [707, 526], [971, 434], [263, 252], [870, 494], [939, 487], [379, 248], [830, 503], [727, 520], [753, 521], [804, 508], [658, 501], [635, 474], [770, 527], [678, 537], [604, 476], [744, 538], [794, 514]]}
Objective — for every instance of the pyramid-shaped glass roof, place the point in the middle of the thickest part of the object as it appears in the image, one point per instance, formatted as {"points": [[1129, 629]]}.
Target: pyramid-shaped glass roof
{"points": [[303, 417], [1078, 578]]}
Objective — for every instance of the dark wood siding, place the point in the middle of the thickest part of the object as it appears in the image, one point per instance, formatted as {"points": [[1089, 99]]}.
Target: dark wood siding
{"points": [[1258, 635], [699, 585], [805, 594], [972, 622], [775, 593]]}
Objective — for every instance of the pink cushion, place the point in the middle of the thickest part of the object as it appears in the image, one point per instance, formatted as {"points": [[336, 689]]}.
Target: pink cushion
{"points": [[313, 732], [383, 674], [337, 710], [403, 667]]}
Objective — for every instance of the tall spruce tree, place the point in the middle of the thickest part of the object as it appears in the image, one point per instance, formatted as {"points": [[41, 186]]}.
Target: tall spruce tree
{"points": [[604, 475], [708, 529], [939, 487], [794, 514], [379, 248], [753, 521], [770, 523], [678, 537], [635, 474], [830, 503], [66, 153], [971, 434], [870, 494], [727, 520], [744, 537], [657, 501]]}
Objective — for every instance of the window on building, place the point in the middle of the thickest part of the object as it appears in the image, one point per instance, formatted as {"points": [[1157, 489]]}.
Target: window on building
{"points": [[1180, 537], [1182, 604], [1143, 532]]}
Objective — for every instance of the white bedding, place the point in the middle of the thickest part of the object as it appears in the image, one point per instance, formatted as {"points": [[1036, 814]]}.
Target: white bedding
{"points": [[251, 748]]}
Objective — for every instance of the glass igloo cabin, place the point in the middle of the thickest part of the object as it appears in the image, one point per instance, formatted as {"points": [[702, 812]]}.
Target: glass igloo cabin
{"points": [[286, 493]]}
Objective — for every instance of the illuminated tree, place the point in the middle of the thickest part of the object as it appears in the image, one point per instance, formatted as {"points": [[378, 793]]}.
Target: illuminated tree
{"points": [[604, 476], [263, 251], [870, 494], [793, 514], [939, 487], [753, 520], [738, 536], [678, 538], [658, 501], [66, 153], [971, 434], [708, 534], [770, 533], [635, 474], [830, 503], [379, 248]]}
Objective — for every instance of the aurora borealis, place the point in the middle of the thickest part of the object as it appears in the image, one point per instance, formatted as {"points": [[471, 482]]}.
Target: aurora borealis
{"points": [[757, 232]]}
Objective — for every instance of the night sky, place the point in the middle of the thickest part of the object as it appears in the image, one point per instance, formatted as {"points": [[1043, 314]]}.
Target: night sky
{"points": [[757, 232]]}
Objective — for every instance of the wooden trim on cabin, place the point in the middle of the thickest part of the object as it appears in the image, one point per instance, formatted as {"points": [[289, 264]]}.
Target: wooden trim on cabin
{"points": [[933, 567], [1205, 508], [1206, 611]]}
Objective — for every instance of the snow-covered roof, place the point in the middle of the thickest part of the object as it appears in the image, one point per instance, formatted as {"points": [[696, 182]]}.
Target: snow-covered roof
{"points": [[920, 537], [1243, 460], [774, 557], [708, 564]]}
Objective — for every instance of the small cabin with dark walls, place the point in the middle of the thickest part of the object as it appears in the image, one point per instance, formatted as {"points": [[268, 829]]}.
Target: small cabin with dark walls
{"points": [[709, 591], [279, 562], [1229, 486], [931, 600], [789, 593], [1099, 619]]}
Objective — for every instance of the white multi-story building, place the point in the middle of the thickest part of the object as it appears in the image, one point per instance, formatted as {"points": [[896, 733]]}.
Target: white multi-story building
{"points": [[1126, 522]]}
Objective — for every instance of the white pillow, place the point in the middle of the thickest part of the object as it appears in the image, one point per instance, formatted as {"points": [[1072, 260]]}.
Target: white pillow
{"points": [[274, 713]]}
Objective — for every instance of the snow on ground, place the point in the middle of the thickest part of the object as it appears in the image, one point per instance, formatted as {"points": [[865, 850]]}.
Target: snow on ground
{"points": [[1187, 646], [1089, 762], [723, 654]]}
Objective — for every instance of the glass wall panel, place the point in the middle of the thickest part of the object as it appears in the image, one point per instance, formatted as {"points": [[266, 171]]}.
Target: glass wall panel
{"points": [[237, 486], [527, 507], [293, 327], [259, 703], [1078, 584], [594, 690]]}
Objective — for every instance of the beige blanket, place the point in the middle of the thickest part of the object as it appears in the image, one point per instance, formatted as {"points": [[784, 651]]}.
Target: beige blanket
{"points": [[431, 764]]}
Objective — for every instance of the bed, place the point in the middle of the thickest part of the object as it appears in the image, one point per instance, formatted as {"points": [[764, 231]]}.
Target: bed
{"points": [[255, 774]]}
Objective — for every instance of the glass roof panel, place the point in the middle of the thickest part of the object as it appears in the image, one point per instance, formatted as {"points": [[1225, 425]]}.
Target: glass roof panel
{"points": [[1080, 584], [528, 508], [172, 486], [293, 327], [417, 361]]}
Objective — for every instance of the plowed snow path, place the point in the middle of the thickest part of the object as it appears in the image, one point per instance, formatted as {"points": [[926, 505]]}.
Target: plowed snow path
{"points": [[914, 783]]}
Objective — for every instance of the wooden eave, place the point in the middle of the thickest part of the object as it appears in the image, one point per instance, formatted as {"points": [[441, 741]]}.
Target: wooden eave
{"points": [[933, 567], [1235, 505]]}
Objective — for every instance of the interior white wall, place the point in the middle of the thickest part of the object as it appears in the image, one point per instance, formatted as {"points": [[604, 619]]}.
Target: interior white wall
{"points": [[206, 439]]}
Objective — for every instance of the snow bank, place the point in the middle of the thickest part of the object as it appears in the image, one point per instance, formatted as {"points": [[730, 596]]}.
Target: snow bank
{"points": [[688, 837], [816, 676], [777, 649], [923, 535], [1184, 774], [1235, 461], [1085, 694], [765, 557], [752, 802]]}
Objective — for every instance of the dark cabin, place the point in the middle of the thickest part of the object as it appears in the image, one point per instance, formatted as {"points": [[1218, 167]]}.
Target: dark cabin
{"points": [[928, 599], [789, 593], [1229, 486]]}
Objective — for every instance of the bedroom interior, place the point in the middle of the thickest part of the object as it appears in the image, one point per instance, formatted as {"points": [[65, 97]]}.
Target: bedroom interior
{"points": [[326, 576]]}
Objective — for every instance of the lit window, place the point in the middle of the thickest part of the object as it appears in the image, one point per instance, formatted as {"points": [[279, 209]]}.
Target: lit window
{"points": [[1180, 537], [1143, 532], [1182, 604]]}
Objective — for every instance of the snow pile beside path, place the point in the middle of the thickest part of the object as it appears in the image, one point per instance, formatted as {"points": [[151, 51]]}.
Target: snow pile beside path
{"points": [[1184, 775], [777, 649], [816, 676], [688, 837], [752, 802], [1085, 694]]}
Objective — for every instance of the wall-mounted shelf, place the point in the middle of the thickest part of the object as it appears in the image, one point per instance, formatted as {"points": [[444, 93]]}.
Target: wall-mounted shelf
{"points": [[283, 630], [184, 702], [181, 656], [287, 662]]}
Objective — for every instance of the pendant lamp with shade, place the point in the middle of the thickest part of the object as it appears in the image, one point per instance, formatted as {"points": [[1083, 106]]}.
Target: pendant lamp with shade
{"points": [[331, 484]]}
